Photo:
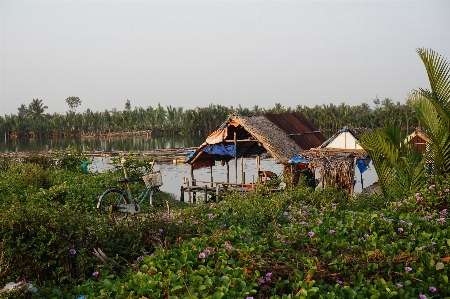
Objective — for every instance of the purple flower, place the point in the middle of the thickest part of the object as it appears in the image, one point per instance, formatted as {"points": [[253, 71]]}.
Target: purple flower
{"points": [[409, 224], [432, 289], [201, 255], [400, 229], [278, 224], [145, 252], [366, 236], [268, 275], [153, 254], [433, 243], [140, 258], [285, 213], [249, 234], [261, 281], [431, 187], [319, 222], [338, 281], [446, 190], [133, 266], [311, 234], [278, 236], [195, 222], [441, 220], [207, 251], [180, 222], [210, 215], [160, 230], [422, 296], [399, 285], [228, 246], [73, 251], [22, 281], [408, 269], [224, 225], [249, 298], [95, 274], [439, 192], [332, 231], [402, 221], [423, 247], [412, 239]]}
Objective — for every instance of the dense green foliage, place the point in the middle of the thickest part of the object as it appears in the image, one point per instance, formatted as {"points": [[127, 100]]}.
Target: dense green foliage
{"points": [[293, 244], [203, 120], [433, 108], [401, 168]]}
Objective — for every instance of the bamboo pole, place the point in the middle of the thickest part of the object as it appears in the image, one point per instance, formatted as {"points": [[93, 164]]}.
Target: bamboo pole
{"points": [[242, 171], [235, 158]]}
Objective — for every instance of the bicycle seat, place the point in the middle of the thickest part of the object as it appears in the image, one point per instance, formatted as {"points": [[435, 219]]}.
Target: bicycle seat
{"points": [[124, 180]]}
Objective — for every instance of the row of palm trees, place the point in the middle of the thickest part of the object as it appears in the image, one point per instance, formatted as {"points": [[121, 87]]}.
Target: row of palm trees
{"points": [[32, 121]]}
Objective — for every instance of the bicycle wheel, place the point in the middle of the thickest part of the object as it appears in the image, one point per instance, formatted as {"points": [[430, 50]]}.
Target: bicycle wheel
{"points": [[109, 202], [159, 202]]}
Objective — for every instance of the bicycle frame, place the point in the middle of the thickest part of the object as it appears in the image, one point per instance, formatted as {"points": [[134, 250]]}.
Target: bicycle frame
{"points": [[149, 190]]}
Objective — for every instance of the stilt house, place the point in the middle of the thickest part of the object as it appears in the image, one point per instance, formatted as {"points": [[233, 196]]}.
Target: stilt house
{"points": [[280, 135]]}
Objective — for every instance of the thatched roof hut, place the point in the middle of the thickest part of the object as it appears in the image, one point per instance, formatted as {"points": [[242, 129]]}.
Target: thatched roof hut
{"points": [[420, 140], [280, 135], [336, 159]]}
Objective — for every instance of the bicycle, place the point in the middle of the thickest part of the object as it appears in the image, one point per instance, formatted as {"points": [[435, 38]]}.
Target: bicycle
{"points": [[116, 201]]}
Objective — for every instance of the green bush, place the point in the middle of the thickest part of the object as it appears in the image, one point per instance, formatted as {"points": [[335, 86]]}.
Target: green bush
{"points": [[292, 244]]}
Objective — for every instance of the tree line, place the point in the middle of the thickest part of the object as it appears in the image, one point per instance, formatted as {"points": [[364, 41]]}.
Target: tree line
{"points": [[32, 121]]}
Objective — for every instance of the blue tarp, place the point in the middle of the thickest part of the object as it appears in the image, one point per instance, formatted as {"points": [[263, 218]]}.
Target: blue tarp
{"points": [[363, 164], [297, 159], [220, 149]]}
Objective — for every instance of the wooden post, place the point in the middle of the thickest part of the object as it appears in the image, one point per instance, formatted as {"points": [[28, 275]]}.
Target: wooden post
{"points": [[235, 159], [192, 172], [352, 187], [362, 182], [206, 193], [210, 170], [228, 172], [242, 171], [182, 193], [189, 191], [194, 191]]}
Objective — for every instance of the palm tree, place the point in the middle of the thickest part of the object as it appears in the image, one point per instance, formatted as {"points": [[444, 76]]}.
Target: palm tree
{"points": [[433, 107], [36, 108]]}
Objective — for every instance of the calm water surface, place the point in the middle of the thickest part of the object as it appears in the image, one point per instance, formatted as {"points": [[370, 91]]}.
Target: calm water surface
{"points": [[173, 174]]}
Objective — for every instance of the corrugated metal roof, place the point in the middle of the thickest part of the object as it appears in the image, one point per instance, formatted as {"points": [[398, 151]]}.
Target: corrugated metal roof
{"points": [[298, 128]]}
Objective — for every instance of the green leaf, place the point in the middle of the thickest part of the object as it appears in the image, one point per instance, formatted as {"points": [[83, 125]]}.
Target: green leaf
{"points": [[176, 288], [218, 295], [439, 266]]}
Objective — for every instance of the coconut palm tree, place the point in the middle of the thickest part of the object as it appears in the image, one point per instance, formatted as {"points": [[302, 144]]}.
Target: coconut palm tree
{"points": [[36, 108], [433, 107]]}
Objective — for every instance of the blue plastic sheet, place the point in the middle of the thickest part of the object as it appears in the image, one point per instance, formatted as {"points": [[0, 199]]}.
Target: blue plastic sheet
{"points": [[363, 164], [220, 149], [297, 159]]}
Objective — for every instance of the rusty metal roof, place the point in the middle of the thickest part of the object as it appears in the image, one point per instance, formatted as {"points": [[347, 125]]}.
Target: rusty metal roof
{"points": [[298, 128]]}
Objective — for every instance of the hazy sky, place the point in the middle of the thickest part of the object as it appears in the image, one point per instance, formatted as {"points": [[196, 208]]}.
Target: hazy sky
{"points": [[193, 53]]}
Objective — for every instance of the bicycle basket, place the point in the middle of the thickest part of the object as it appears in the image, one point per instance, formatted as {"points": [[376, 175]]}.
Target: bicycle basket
{"points": [[155, 178]]}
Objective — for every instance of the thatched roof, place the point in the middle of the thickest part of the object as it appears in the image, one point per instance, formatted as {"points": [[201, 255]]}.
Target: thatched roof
{"points": [[259, 134], [276, 142]]}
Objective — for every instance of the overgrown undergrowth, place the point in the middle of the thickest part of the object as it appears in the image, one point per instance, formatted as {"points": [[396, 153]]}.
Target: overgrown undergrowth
{"points": [[295, 244]]}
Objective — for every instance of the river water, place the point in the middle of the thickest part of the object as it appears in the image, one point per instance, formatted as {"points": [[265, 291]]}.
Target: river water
{"points": [[173, 174]]}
